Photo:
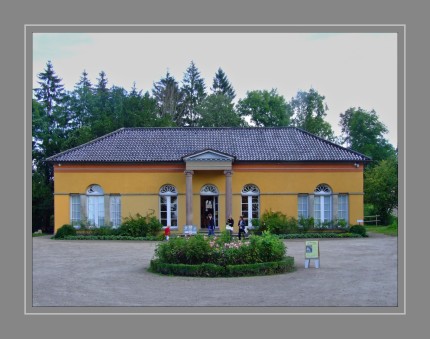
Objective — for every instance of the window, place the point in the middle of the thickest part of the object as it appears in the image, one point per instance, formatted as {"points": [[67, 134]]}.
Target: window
{"points": [[115, 210], [250, 203], [95, 204], [322, 205], [342, 207], [75, 209], [303, 206], [169, 206]]}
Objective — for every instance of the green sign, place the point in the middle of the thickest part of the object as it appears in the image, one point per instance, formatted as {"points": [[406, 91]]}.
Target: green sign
{"points": [[312, 249]]}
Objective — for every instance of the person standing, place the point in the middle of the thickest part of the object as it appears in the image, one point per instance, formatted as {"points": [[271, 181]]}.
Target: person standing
{"points": [[230, 222], [211, 225], [167, 232], [241, 225]]}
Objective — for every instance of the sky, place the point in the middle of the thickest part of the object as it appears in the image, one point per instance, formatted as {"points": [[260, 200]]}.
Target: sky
{"points": [[349, 69]]}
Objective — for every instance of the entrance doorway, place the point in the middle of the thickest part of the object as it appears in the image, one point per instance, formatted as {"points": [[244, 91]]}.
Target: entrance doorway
{"points": [[208, 204]]}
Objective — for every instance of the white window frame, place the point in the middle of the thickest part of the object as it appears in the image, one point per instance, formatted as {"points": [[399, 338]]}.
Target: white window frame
{"points": [[95, 206], [322, 200], [250, 191], [303, 206], [170, 194], [75, 209], [343, 207], [115, 210]]}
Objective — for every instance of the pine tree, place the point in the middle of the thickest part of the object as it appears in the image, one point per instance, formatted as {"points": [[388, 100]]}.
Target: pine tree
{"points": [[194, 92], [51, 91], [169, 98], [101, 123], [221, 85], [82, 101]]}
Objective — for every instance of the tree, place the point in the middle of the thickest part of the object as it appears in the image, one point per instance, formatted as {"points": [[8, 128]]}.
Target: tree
{"points": [[381, 187], [50, 127], [81, 101], [221, 85], [169, 98], [51, 91], [101, 122], [309, 110], [363, 132], [193, 88], [265, 109], [217, 110]]}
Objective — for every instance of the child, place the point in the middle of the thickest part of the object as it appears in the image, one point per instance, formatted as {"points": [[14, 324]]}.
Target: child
{"points": [[167, 232]]}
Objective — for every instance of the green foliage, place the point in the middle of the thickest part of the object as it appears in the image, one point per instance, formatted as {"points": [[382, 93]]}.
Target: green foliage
{"points": [[309, 111], [320, 235], [216, 110], [139, 226], [212, 270], [64, 231], [266, 109], [363, 132], [222, 86], [381, 188], [194, 92], [306, 224], [277, 223], [220, 251], [358, 229]]}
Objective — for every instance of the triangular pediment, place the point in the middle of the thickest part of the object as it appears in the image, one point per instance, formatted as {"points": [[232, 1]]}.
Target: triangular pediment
{"points": [[208, 159], [208, 155]]}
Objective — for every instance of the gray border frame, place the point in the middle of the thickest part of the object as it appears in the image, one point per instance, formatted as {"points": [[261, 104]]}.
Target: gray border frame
{"points": [[400, 30]]}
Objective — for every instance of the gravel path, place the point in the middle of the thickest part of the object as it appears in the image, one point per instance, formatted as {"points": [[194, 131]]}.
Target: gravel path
{"points": [[353, 272]]}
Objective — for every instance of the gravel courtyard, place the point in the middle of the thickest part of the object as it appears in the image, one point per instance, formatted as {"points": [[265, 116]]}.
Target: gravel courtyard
{"points": [[353, 272]]}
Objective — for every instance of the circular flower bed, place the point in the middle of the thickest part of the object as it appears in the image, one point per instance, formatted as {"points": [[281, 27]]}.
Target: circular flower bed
{"points": [[221, 256]]}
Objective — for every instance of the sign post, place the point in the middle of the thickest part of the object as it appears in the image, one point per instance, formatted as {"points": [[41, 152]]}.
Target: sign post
{"points": [[312, 251]]}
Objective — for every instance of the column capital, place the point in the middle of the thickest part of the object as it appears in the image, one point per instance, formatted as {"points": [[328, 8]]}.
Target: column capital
{"points": [[188, 173], [228, 172]]}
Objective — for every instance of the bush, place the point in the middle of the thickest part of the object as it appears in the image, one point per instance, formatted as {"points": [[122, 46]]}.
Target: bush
{"points": [[221, 251], [139, 226], [64, 231], [358, 229], [305, 224]]}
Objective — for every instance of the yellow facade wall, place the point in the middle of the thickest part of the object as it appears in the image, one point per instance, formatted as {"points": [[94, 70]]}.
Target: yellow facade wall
{"points": [[139, 187]]}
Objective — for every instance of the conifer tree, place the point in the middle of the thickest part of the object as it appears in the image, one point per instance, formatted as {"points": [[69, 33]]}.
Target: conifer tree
{"points": [[169, 99], [221, 85], [193, 88]]}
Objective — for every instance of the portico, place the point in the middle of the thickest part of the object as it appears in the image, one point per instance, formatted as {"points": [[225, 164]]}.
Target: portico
{"points": [[208, 160]]}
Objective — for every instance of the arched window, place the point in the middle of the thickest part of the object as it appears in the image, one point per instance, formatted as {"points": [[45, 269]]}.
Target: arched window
{"points": [[169, 206], [209, 190], [250, 203], [95, 206], [322, 204]]}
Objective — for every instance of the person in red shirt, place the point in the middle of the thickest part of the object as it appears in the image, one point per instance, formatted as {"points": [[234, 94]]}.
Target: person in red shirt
{"points": [[167, 232]]}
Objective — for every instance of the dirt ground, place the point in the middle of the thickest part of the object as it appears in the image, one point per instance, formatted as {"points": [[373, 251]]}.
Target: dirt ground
{"points": [[352, 272]]}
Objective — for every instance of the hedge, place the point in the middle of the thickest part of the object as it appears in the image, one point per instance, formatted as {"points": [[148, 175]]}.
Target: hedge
{"points": [[212, 270]]}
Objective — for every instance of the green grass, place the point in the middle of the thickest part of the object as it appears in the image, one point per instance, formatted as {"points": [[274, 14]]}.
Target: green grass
{"points": [[39, 234], [387, 230]]}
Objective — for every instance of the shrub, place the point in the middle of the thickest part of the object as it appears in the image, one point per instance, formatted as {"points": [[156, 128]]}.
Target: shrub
{"points": [[139, 226], [305, 224], [358, 229], [221, 251], [64, 231]]}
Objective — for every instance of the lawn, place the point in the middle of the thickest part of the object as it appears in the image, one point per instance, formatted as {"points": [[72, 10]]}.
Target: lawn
{"points": [[387, 230]]}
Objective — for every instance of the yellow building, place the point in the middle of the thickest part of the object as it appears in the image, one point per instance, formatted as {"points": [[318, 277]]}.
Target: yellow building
{"points": [[182, 174]]}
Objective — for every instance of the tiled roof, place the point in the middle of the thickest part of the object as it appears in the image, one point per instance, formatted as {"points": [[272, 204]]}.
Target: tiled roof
{"points": [[134, 145]]}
